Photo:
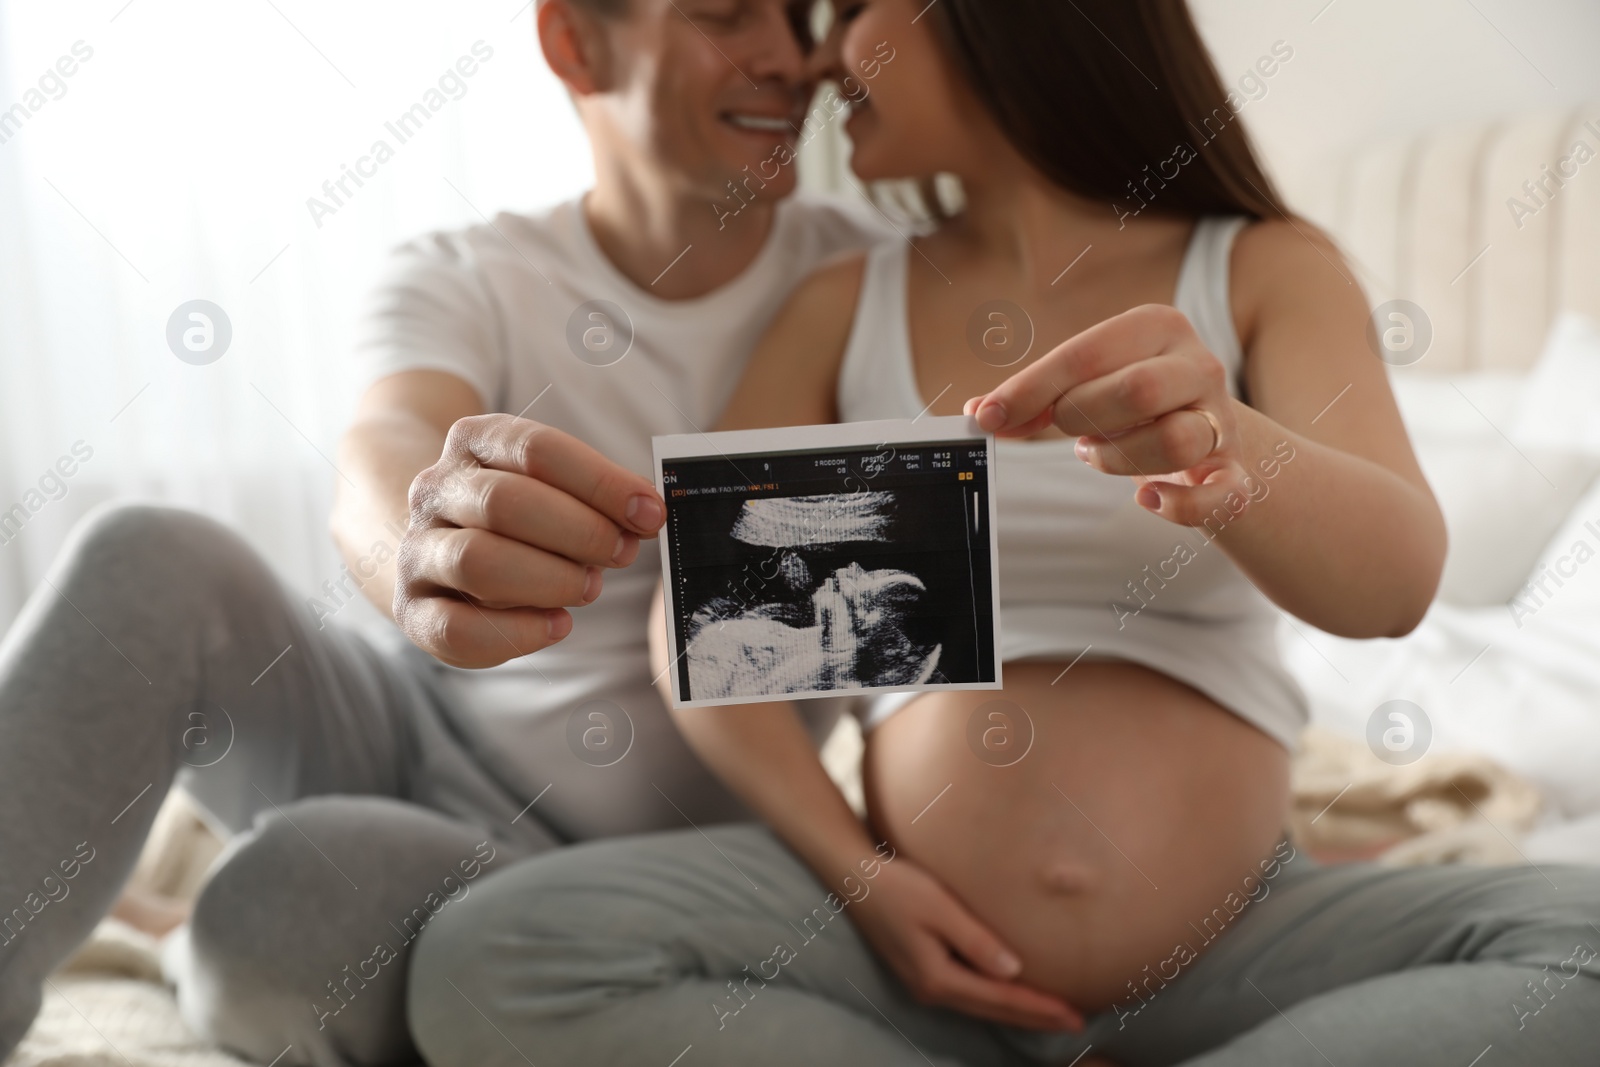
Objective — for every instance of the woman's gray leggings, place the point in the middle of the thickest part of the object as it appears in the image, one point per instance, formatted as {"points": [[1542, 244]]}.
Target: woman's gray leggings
{"points": [[159, 643], [720, 948]]}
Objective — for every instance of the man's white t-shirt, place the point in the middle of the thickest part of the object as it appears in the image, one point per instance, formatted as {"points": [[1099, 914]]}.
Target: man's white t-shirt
{"points": [[532, 314]]}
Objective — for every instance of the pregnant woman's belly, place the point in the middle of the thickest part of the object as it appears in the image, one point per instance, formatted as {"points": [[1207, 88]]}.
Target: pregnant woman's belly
{"points": [[1139, 809]]}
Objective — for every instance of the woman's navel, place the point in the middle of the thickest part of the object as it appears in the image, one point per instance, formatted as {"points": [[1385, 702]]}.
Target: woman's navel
{"points": [[1067, 877]]}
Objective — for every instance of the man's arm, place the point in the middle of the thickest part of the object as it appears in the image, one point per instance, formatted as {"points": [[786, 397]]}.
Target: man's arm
{"points": [[398, 431], [507, 522]]}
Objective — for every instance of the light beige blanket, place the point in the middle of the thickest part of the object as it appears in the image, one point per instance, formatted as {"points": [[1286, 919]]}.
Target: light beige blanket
{"points": [[1444, 808]]}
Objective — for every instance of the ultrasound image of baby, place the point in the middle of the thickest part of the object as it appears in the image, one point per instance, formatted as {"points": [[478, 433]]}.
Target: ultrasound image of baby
{"points": [[846, 630]]}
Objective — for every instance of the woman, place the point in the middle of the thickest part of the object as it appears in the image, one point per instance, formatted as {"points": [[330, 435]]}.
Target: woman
{"points": [[1214, 443], [1170, 734]]}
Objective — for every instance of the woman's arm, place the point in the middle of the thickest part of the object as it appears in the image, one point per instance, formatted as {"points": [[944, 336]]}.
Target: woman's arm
{"points": [[1350, 538], [762, 751], [1313, 491], [792, 376]]}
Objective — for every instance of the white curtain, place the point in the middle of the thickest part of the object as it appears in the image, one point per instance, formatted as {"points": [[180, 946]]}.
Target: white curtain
{"points": [[155, 152]]}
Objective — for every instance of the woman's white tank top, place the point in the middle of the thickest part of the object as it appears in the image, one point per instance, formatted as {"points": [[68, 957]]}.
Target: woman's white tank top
{"points": [[1083, 569]]}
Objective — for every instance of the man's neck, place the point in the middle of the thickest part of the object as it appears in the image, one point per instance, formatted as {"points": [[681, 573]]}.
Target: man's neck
{"points": [[673, 246]]}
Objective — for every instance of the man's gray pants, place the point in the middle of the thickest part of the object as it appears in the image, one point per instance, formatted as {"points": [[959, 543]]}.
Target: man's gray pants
{"points": [[720, 948], [159, 646]]}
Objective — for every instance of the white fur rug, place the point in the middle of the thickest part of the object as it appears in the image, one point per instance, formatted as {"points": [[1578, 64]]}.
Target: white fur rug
{"points": [[107, 1007]]}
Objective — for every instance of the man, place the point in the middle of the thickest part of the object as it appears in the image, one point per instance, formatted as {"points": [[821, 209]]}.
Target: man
{"points": [[494, 498]]}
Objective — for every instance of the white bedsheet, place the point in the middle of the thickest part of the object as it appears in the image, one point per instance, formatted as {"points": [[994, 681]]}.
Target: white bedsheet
{"points": [[1527, 697]]}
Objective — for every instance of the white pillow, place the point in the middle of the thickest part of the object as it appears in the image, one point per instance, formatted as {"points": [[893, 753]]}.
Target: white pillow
{"points": [[1560, 405], [1444, 407], [1507, 455], [1500, 510], [1564, 582]]}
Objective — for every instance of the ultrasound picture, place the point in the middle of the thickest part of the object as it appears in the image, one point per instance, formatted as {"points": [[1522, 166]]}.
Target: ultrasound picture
{"points": [[821, 572]]}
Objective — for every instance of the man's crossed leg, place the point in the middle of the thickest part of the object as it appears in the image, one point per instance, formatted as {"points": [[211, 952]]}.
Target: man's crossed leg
{"points": [[360, 814]]}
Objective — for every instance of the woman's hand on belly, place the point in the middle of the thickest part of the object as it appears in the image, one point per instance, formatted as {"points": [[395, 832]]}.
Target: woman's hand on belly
{"points": [[946, 956], [1133, 809]]}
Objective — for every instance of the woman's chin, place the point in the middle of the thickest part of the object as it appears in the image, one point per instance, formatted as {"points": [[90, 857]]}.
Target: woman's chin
{"points": [[874, 160], [867, 168], [867, 156]]}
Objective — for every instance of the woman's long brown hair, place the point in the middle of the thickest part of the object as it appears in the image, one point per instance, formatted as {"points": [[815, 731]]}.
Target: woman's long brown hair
{"points": [[1104, 96]]}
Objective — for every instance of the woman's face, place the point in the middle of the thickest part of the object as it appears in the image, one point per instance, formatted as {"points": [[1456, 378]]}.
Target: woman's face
{"points": [[913, 114]]}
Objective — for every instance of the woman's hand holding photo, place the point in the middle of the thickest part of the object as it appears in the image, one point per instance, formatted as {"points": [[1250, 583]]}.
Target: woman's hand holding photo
{"points": [[1146, 399]]}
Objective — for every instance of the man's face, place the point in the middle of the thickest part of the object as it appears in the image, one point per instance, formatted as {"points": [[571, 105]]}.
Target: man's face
{"points": [[705, 88]]}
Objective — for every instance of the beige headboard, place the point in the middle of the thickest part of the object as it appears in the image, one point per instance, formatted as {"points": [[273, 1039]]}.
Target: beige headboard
{"points": [[1428, 219]]}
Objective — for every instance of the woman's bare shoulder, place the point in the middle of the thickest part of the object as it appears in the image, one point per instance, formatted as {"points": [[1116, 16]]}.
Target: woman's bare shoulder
{"points": [[1302, 316], [1286, 266]]}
